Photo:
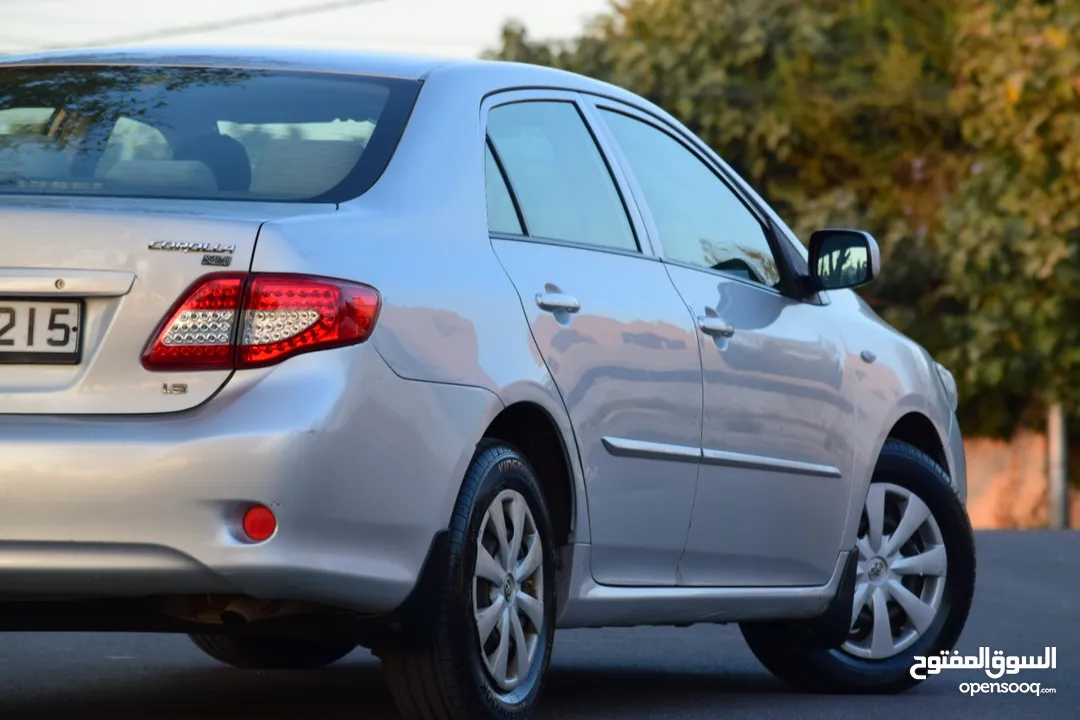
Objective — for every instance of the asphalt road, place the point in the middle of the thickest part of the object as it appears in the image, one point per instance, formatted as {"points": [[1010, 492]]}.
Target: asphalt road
{"points": [[1028, 597]]}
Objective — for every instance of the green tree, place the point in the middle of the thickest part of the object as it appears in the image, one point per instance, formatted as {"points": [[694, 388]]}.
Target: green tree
{"points": [[1014, 258], [837, 111], [1013, 224]]}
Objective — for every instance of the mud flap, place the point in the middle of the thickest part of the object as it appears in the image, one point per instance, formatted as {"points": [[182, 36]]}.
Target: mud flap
{"points": [[828, 630]]}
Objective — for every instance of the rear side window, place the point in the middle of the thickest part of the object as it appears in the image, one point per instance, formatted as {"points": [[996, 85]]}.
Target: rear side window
{"points": [[213, 133], [561, 181]]}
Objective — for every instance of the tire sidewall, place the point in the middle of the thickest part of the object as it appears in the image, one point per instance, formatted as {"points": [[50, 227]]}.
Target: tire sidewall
{"points": [[498, 468]]}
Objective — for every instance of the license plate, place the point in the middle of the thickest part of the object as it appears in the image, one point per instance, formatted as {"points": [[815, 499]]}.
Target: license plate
{"points": [[40, 332]]}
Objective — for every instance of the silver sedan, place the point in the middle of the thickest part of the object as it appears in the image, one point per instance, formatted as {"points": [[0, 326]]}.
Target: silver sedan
{"points": [[301, 351]]}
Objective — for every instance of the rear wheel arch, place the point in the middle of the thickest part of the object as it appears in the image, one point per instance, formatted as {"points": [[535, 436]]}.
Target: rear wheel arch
{"points": [[531, 429]]}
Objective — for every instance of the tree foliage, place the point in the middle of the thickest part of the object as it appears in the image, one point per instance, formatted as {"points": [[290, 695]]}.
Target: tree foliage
{"points": [[948, 128], [1013, 223]]}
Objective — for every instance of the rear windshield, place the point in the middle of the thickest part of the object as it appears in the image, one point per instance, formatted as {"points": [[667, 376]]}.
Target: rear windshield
{"points": [[213, 133]]}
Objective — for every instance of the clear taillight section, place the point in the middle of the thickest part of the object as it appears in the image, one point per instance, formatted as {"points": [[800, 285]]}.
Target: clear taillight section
{"points": [[198, 332], [236, 320]]}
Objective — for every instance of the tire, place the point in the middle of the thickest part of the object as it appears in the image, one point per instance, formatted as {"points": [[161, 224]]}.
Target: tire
{"points": [[256, 652], [855, 667], [445, 674]]}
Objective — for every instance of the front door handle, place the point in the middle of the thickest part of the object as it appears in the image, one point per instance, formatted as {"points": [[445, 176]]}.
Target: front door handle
{"points": [[714, 326], [556, 301]]}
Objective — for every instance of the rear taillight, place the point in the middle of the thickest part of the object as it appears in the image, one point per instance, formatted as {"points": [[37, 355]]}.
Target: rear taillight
{"points": [[237, 320]]}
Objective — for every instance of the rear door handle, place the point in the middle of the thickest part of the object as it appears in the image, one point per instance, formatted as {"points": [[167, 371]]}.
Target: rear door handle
{"points": [[714, 326], [553, 301]]}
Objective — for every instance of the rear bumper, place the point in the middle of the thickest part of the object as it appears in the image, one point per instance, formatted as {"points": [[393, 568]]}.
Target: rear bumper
{"points": [[360, 467]]}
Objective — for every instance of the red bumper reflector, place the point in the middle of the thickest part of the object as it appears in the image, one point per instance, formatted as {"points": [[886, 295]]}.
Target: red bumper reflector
{"points": [[259, 524]]}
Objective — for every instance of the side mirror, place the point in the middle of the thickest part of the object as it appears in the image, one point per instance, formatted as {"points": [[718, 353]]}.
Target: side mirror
{"points": [[843, 258]]}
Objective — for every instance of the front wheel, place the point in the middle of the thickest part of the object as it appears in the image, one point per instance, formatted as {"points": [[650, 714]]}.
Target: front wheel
{"points": [[494, 620], [916, 581]]}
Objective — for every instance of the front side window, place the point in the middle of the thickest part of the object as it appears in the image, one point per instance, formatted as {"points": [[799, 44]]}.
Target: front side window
{"points": [[701, 221], [560, 179], [213, 133]]}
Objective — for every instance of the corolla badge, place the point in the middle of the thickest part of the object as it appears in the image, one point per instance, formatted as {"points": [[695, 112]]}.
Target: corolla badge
{"points": [[193, 247]]}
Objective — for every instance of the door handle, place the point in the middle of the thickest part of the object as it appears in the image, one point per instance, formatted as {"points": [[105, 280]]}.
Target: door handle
{"points": [[554, 301], [714, 326]]}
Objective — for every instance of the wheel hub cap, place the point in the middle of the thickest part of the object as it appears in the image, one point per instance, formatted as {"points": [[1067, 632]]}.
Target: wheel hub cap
{"points": [[902, 571], [508, 590], [877, 571]]}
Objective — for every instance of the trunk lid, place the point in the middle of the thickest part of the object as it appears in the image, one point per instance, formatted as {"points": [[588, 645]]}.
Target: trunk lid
{"points": [[84, 284]]}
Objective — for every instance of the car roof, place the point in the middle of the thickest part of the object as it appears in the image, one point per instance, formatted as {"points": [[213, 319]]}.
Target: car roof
{"points": [[495, 74], [409, 67]]}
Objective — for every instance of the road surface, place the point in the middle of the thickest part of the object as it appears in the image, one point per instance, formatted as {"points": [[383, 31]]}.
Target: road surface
{"points": [[1028, 597]]}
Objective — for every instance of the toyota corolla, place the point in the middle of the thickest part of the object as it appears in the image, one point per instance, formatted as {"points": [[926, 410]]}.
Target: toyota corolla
{"points": [[302, 351]]}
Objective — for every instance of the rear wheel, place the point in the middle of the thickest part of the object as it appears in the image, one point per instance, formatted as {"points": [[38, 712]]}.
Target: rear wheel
{"points": [[916, 581], [493, 626], [272, 653]]}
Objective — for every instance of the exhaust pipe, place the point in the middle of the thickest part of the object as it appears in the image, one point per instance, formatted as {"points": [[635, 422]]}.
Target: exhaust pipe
{"points": [[231, 610], [241, 611]]}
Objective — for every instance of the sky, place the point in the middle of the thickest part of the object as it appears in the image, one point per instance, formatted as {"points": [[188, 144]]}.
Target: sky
{"points": [[454, 28]]}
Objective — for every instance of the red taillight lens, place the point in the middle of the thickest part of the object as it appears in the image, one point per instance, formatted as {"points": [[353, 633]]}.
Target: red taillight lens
{"points": [[232, 320], [285, 315]]}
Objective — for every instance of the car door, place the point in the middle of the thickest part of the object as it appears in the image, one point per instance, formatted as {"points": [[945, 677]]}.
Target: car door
{"points": [[775, 481], [611, 328]]}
